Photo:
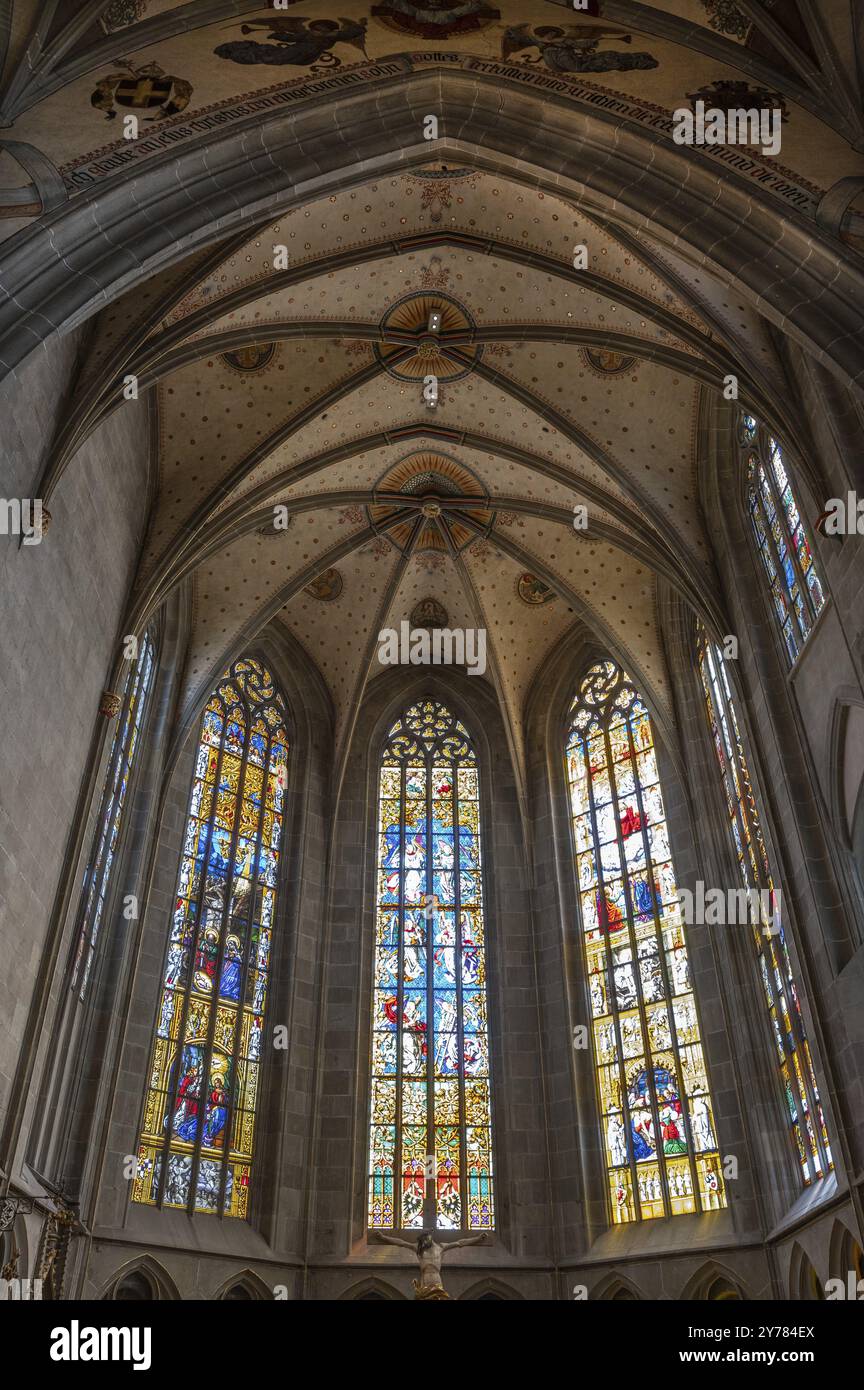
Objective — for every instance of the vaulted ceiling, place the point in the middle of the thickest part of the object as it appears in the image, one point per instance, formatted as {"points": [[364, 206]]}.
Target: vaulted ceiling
{"points": [[295, 379]]}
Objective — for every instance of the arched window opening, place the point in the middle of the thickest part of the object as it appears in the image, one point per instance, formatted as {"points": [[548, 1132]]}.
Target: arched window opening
{"points": [[797, 591], [722, 1291], [127, 736], [782, 996], [197, 1138], [134, 1287], [430, 1151], [657, 1114]]}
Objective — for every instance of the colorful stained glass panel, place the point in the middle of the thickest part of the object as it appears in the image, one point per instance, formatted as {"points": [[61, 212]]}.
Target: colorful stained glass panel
{"points": [[430, 1119], [657, 1113], [196, 1145]]}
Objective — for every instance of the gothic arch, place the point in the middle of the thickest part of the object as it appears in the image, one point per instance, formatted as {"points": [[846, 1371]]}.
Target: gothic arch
{"points": [[246, 1285], [781, 737], [489, 1289], [150, 1271], [297, 921], [804, 1283], [548, 704], [844, 760], [291, 666], [551, 694], [806, 293], [844, 1253], [353, 875], [452, 1039], [713, 1282], [615, 1288], [372, 1289]]}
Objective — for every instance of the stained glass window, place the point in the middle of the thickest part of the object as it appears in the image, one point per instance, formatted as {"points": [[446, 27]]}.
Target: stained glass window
{"points": [[657, 1113], [775, 969], [796, 589], [430, 1151], [120, 763], [195, 1150]]}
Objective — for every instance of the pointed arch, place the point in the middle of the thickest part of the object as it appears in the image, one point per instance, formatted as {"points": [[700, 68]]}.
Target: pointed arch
{"points": [[196, 1144], [372, 1289], [780, 989], [489, 1289], [246, 1285], [616, 1288], [361, 138], [803, 1280], [121, 764], [430, 1141], [713, 1283], [137, 1275], [657, 1112], [782, 539], [845, 1255]]}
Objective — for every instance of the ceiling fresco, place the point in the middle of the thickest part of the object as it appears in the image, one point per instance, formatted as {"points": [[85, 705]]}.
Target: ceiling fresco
{"points": [[176, 72], [285, 362]]}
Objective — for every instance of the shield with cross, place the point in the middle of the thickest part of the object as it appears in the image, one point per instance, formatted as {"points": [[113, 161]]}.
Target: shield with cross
{"points": [[149, 88]]}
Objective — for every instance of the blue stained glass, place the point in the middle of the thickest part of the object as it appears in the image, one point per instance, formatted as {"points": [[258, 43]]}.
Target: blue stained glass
{"points": [[446, 1006], [435, 1167], [120, 763], [774, 964], [444, 851], [473, 1009], [444, 974], [619, 821], [796, 591], [195, 1150]]}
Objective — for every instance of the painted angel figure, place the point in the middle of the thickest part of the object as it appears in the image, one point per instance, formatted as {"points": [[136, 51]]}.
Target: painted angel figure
{"points": [[574, 47], [297, 41], [578, 38]]}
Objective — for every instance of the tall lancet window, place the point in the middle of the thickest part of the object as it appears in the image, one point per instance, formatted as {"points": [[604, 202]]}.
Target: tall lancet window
{"points": [[121, 761], [196, 1144], [430, 1148], [796, 589], [657, 1113], [803, 1108]]}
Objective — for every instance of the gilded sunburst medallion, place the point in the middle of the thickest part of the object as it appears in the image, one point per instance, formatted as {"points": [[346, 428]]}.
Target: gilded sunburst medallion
{"points": [[428, 334]]}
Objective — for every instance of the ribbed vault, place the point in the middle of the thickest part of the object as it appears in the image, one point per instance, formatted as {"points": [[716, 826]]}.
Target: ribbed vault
{"points": [[305, 282]]}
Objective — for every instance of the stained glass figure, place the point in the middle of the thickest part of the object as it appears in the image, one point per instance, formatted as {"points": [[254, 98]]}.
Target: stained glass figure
{"points": [[196, 1144], [657, 1113], [120, 765], [430, 1148], [782, 997], [796, 588]]}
